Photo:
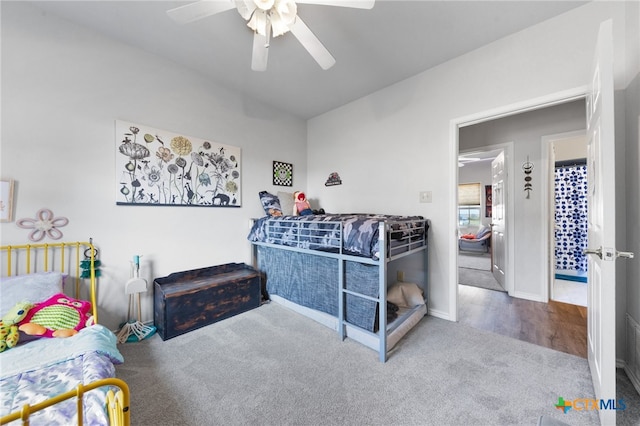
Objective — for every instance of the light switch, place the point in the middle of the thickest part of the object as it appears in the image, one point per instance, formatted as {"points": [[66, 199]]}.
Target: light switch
{"points": [[425, 197]]}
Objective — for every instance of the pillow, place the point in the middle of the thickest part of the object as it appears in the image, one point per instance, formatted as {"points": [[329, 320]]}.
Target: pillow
{"points": [[469, 236], [270, 204], [60, 315], [286, 202], [405, 295], [482, 232], [34, 288]]}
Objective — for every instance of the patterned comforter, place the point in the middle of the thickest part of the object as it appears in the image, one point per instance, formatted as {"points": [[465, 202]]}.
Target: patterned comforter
{"points": [[322, 232], [41, 369]]}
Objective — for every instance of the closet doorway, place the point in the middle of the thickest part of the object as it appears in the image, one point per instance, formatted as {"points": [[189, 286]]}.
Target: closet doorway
{"points": [[567, 214]]}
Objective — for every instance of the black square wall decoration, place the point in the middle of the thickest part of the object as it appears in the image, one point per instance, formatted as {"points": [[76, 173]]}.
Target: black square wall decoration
{"points": [[282, 173]]}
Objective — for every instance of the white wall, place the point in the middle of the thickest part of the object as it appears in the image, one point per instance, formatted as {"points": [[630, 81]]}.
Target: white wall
{"points": [[392, 144], [632, 199], [63, 87], [627, 197]]}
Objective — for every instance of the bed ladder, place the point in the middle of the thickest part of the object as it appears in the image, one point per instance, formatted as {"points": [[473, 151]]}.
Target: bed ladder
{"points": [[381, 300]]}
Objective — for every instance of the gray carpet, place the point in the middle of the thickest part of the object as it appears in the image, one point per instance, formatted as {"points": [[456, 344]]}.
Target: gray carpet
{"points": [[475, 270], [475, 261], [478, 278], [271, 366]]}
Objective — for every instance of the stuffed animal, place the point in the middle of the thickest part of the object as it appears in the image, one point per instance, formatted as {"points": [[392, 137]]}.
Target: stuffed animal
{"points": [[58, 316], [9, 334], [301, 206]]}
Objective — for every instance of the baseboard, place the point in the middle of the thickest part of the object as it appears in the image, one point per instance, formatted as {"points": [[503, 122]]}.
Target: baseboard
{"points": [[527, 296], [632, 356], [439, 314], [635, 380]]}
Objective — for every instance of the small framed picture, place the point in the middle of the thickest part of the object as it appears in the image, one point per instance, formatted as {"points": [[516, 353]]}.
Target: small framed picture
{"points": [[282, 173], [6, 200]]}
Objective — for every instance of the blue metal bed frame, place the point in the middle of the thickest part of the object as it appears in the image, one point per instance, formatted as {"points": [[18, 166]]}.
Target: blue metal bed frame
{"points": [[406, 246]]}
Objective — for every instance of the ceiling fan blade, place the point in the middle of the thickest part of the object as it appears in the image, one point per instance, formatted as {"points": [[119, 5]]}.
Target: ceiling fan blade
{"points": [[310, 42], [199, 9], [260, 53], [358, 4]]}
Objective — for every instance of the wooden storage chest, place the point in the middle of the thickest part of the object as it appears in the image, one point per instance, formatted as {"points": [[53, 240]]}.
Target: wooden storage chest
{"points": [[185, 301]]}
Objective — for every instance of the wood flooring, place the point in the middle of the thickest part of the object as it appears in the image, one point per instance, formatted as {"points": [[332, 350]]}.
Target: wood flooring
{"points": [[555, 325]]}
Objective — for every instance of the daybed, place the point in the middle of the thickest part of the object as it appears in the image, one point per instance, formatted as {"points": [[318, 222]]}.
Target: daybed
{"points": [[335, 269], [479, 241], [59, 380]]}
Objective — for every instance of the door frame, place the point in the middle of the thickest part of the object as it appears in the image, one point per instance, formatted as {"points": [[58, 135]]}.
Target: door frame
{"points": [[508, 149], [548, 202], [454, 137]]}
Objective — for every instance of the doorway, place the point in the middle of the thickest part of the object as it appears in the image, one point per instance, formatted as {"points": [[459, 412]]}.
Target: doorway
{"points": [[567, 216], [481, 259], [527, 226]]}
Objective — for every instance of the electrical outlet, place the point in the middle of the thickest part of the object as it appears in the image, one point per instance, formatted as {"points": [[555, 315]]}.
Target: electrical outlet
{"points": [[400, 275], [425, 197]]}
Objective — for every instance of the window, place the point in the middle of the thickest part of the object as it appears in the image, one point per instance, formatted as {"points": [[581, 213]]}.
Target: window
{"points": [[468, 215], [469, 207]]}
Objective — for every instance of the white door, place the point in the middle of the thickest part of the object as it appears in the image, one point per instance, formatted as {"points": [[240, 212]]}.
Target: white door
{"points": [[601, 325], [498, 219]]}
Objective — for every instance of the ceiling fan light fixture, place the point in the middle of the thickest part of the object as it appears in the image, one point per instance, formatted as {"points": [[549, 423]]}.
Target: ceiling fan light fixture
{"points": [[278, 26], [245, 8], [264, 4], [278, 17], [258, 22], [287, 10]]}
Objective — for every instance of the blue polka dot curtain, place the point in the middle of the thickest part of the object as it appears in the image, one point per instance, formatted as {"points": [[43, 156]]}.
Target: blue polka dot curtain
{"points": [[571, 218]]}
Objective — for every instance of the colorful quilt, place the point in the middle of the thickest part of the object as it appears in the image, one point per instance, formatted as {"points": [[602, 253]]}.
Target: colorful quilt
{"points": [[44, 368]]}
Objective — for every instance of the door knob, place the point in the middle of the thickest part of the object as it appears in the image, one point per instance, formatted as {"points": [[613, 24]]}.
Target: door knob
{"points": [[625, 254], [609, 253], [597, 251]]}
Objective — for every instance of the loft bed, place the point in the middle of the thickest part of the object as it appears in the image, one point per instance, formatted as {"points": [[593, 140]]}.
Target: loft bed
{"points": [[334, 269], [57, 380]]}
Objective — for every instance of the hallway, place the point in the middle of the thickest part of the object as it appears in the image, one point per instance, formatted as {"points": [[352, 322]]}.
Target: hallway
{"points": [[555, 325]]}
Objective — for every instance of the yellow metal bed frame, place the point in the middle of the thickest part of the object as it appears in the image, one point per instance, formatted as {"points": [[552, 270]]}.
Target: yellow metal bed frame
{"points": [[30, 258]]}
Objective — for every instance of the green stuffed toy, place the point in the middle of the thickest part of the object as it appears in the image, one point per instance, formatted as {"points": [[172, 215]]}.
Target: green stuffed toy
{"points": [[9, 325]]}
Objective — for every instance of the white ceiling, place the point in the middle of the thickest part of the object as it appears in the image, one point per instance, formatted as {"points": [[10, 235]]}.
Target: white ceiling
{"points": [[373, 48]]}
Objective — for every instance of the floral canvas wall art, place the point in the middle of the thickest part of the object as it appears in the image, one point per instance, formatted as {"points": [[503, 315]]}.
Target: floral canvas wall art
{"points": [[158, 167]]}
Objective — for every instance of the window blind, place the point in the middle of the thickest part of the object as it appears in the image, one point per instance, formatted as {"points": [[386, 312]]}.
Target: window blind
{"points": [[469, 194]]}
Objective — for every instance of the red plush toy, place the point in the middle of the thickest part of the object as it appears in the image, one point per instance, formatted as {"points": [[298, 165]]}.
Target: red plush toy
{"points": [[302, 206], [58, 316]]}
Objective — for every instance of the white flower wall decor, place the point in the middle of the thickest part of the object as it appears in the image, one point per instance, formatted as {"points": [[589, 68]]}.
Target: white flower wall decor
{"points": [[45, 224]]}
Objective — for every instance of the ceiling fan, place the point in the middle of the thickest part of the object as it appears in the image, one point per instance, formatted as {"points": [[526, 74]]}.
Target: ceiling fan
{"points": [[268, 18], [464, 160]]}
